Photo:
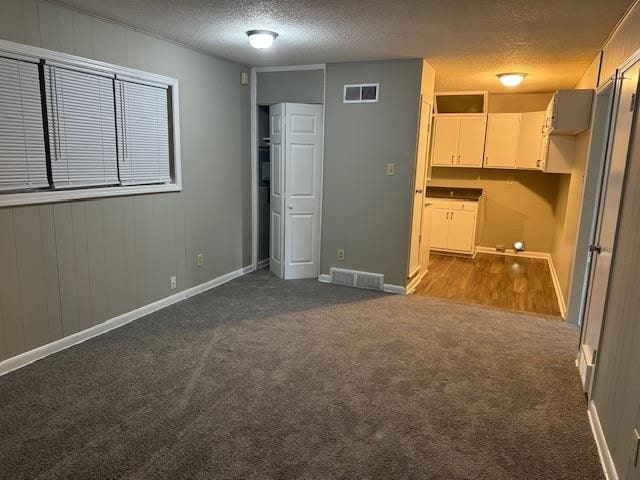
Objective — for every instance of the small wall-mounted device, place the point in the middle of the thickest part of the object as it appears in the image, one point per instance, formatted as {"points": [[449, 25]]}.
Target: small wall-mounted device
{"points": [[244, 78], [518, 246]]}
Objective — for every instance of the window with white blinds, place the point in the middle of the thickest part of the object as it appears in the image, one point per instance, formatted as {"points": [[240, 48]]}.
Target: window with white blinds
{"points": [[22, 147], [142, 113], [73, 128], [82, 130]]}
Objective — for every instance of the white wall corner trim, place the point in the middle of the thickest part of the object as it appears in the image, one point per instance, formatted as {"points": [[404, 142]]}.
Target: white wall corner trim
{"points": [[608, 466], [38, 353], [541, 255]]}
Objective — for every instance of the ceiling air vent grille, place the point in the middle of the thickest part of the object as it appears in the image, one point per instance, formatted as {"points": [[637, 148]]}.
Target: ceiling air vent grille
{"points": [[355, 278], [361, 93]]}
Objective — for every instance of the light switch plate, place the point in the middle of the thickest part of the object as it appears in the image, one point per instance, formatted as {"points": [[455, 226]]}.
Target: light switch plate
{"points": [[391, 168], [173, 282], [199, 259]]}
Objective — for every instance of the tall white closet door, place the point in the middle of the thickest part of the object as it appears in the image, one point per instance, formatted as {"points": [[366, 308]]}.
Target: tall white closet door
{"points": [[276, 241]]}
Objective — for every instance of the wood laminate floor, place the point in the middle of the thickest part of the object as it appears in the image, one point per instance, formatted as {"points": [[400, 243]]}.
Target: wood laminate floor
{"points": [[514, 283]]}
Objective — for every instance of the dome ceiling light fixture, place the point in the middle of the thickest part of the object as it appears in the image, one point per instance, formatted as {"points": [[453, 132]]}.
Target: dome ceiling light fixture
{"points": [[261, 39], [511, 79]]}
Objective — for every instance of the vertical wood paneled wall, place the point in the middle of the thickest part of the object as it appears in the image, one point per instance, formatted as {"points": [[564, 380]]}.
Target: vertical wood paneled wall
{"points": [[624, 43], [68, 266]]}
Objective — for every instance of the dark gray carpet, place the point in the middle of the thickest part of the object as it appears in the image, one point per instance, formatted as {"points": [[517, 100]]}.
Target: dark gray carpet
{"points": [[262, 379]]}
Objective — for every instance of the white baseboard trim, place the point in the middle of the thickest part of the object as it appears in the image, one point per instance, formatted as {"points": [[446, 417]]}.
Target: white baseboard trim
{"points": [[556, 285], [324, 278], [389, 288], [606, 460], [263, 263], [38, 353], [512, 253], [542, 255]]}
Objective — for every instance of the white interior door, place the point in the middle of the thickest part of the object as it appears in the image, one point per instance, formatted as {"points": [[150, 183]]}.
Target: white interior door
{"points": [[610, 197], [425, 244], [276, 239], [418, 236], [303, 183]]}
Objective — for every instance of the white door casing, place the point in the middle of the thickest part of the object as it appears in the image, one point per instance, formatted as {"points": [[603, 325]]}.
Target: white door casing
{"points": [[418, 236], [610, 198], [303, 155], [276, 239]]}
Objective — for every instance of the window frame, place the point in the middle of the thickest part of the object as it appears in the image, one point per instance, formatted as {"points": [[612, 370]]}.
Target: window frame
{"points": [[35, 54]]}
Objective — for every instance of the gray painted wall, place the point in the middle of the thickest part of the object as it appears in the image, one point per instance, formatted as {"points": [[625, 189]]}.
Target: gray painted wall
{"points": [[366, 212], [69, 266], [299, 86], [616, 391]]}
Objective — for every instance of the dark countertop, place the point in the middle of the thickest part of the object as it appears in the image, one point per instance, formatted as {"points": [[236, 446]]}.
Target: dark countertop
{"points": [[455, 193]]}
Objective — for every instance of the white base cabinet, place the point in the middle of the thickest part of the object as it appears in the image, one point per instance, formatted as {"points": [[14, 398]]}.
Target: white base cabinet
{"points": [[453, 225]]}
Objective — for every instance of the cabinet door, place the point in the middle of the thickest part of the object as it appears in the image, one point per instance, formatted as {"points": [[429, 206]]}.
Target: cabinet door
{"points": [[445, 140], [530, 140], [462, 226], [439, 228], [471, 141], [502, 140]]}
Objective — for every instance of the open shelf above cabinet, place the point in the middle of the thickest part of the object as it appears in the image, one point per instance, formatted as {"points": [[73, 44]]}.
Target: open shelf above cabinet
{"points": [[461, 103]]}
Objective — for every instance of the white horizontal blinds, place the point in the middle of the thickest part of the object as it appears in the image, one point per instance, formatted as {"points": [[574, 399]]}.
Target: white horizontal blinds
{"points": [[143, 133], [23, 161], [82, 128]]}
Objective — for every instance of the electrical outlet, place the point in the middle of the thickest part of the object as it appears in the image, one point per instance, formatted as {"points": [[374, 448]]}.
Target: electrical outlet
{"points": [[200, 260], [173, 282], [340, 255], [391, 169]]}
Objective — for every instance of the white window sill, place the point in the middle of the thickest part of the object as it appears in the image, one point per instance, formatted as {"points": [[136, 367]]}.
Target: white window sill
{"points": [[55, 196]]}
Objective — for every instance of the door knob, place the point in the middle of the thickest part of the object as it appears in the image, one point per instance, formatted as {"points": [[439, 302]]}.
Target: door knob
{"points": [[595, 248], [418, 191], [290, 207]]}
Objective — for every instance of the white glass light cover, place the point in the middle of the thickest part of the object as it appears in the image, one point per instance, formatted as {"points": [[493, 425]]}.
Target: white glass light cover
{"points": [[261, 38], [511, 79]]}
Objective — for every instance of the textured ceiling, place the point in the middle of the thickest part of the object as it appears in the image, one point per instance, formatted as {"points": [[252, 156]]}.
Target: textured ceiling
{"points": [[467, 41]]}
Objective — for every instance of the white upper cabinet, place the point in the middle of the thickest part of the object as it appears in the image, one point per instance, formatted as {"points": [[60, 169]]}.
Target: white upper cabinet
{"points": [[569, 112], [558, 152], [458, 141], [501, 148], [530, 141], [471, 141], [445, 141]]}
